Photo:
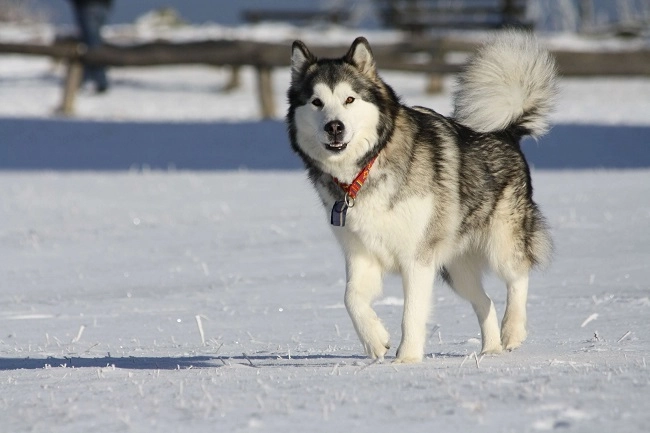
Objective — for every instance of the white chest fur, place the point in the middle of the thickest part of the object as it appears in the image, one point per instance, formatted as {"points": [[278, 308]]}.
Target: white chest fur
{"points": [[390, 231]]}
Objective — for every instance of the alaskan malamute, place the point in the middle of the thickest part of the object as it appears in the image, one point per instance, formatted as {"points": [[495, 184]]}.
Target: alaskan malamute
{"points": [[408, 190]]}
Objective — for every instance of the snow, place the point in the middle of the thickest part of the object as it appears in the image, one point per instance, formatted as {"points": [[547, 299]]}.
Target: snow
{"points": [[135, 257], [139, 294]]}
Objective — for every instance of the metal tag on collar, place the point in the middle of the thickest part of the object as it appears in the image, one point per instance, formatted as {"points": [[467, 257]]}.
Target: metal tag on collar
{"points": [[339, 211]]}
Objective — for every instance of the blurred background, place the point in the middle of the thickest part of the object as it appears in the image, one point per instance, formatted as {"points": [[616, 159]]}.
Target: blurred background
{"points": [[216, 74], [556, 15]]}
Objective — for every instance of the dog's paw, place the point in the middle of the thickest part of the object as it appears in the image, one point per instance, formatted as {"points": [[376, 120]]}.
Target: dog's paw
{"points": [[376, 340], [512, 335], [492, 349], [408, 355], [491, 346], [377, 352]]}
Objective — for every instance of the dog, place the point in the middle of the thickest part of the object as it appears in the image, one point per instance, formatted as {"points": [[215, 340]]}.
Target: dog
{"points": [[411, 191]]}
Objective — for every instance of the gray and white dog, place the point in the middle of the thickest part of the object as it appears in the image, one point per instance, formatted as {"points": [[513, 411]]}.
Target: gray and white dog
{"points": [[411, 191]]}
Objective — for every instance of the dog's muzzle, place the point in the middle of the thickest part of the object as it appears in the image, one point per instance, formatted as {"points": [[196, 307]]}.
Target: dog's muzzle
{"points": [[335, 131]]}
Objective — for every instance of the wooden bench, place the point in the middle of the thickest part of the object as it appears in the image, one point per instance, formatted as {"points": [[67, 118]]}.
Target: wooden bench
{"points": [[418, 16], [264, 56]]}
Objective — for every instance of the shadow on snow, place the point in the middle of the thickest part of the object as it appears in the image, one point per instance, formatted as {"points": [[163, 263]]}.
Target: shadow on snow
{"points": [[37, 144], [203, 361], [175, 363]]}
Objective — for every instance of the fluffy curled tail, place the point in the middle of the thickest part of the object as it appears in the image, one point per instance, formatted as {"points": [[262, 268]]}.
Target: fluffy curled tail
{"points": [[509, 84]]}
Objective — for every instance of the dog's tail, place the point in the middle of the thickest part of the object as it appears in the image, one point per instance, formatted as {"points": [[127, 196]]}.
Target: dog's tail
{"points": [[509, 84]]}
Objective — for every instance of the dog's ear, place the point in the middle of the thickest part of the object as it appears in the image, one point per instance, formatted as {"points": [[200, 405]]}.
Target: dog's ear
{"points": [[301, 57], [360, 55]]}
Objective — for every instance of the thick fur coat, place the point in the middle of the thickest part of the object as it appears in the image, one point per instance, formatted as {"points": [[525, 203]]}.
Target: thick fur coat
{"points": [[444, 195]]}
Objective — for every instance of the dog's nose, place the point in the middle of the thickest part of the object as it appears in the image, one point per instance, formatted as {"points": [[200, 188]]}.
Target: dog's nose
{"points": [[335, 127]]}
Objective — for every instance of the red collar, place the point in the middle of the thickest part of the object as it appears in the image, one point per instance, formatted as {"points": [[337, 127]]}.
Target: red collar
{"points": [[352, 189]]}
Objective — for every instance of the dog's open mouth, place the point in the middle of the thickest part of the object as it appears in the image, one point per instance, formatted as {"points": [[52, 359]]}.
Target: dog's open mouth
{"points": [[336, 146]]}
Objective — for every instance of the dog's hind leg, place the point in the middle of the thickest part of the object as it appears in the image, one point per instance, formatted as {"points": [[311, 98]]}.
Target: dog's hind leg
{"points": [[418, 290], [364, 274], [513, 326], [464, 276]]}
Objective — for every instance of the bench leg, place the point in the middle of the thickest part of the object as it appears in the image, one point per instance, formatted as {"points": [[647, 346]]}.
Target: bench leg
{"points": [[434, 84], [73, 79], [265, 92], [235, 79]]}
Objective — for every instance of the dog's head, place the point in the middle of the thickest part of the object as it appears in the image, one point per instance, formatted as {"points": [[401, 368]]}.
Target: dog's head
{"points": [[339, 108]]}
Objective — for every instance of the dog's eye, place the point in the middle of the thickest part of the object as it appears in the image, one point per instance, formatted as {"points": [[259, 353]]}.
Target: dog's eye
{"points": [[317, 102], [350, 100]]}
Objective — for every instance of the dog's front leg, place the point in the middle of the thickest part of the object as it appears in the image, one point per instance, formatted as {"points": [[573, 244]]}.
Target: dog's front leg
{"points": [[418, 288], [364, 281]]}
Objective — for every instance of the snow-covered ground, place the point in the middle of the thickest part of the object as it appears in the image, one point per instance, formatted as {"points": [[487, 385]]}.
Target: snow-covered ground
{"points": [[206, 301], [103, 275]]}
